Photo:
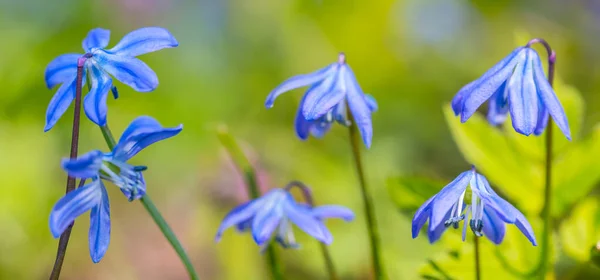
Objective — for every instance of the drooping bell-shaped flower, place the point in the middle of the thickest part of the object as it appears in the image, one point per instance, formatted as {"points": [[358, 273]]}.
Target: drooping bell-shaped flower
{"points": [[331, 88], [119, 62], [515, 85], [273, 214], [470, 197], [112, 167]]}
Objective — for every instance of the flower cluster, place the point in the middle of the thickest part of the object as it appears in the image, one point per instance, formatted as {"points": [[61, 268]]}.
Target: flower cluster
{"points": [[97, 66], [515, 85]]}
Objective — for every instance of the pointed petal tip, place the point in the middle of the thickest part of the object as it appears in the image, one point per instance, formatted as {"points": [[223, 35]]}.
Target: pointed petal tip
{"points": [[526, 132], [96, 258], [54, 230], [463, 118]]}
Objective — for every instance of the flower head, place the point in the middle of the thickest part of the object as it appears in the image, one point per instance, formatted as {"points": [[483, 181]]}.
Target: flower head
{"points": [[119, 62], [275, 211], [470, 196], [516, 84], [114, 168], [331, 88]]}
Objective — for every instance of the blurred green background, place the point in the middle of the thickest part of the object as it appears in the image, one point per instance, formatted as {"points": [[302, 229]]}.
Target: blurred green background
{"points": [[411, 55]]}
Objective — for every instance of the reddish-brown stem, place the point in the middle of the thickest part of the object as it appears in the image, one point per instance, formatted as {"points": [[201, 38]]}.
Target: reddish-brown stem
{"points": [[64, 237]]}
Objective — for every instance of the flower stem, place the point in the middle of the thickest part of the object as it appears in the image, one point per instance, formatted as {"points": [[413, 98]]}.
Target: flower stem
{"points": [[245, 167], [64, 237], [547, 211], [368, 202], [541, 268], [168, 233], [157, 217], [108, 137], [324, 250], [477, 261]]}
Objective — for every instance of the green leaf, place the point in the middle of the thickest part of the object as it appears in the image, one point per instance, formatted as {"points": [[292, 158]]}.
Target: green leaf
{"points": [[581, 231], [409, 193], [577, 172], [457, 262]]}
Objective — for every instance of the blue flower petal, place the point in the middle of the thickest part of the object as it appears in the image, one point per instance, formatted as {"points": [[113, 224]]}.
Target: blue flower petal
{"points": [[128, 70], [525, 227], [371, 102], [94, 103], [85, 166], [265, 222], [543, 117], [323, 98], [359, 108], [459, 99], [493, 227], [548, 97], [73, 205], [316, 91], [244, 226], [471, 96], [522, 96], [304, 219], [239, 216], [318, 129], [59, 103], [62, 69], [498, 106], [447, 197], [141, 132], [333, 211], [299, 81], [435, 233], [301, 125], [99, 236], [96, 38], [144, 40], [482, 187], [421, 217]]}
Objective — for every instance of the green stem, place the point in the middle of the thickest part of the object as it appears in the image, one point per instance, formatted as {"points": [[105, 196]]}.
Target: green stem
{"points": [[157, 217], [477, 261], [168, 233], [108, 137], [245, 167], [547, 212], [328, 262], [368, 202]]}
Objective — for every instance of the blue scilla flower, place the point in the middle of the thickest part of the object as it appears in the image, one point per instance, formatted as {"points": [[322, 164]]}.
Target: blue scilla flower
{"points": [[516, 84], [325, 101], [275, 211], [100, 64], [112, 167], [470, 197]]}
